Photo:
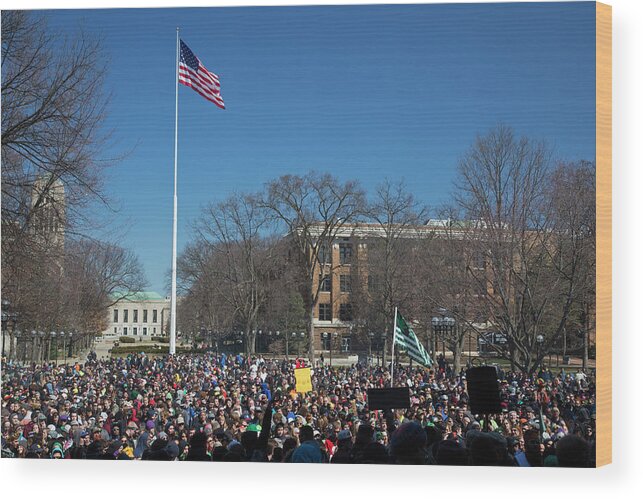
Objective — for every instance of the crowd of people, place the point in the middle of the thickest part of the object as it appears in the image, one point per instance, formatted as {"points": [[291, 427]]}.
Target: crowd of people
{"points": [[234, 408]]}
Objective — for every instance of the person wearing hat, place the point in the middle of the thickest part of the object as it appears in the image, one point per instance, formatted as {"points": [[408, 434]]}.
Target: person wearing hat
{"points": [[145, 439], [343, 454], [57, 451], [79, 449]]}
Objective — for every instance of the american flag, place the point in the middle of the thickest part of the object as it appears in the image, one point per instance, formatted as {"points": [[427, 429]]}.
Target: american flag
{"points": [[193, 74]]}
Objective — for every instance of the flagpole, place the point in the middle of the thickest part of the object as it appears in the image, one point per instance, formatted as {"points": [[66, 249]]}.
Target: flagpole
{"points": [[176, 150], [393, 345]]}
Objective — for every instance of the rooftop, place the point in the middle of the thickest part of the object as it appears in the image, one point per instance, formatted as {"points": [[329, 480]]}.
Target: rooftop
{"points": [[140, 296]]}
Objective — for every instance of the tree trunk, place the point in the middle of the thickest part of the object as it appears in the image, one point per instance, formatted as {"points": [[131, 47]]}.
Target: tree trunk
{"points": [[250, 342], [384, 350], [457, 357], [512, 355], [11, 348]]}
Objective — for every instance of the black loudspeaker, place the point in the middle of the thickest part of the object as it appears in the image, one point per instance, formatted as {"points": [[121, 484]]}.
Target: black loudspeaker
{"points": [[483, 390], [389, 398]]}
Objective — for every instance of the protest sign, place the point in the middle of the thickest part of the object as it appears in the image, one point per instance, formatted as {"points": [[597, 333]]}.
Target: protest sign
{"points": [[302, 380]]}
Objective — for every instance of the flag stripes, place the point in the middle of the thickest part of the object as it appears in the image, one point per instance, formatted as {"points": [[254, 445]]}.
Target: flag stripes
{"points": [[193, 74], [407, 340]]}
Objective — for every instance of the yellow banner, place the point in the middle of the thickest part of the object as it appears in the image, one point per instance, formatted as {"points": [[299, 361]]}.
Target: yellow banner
{"points": [[302, 380]]}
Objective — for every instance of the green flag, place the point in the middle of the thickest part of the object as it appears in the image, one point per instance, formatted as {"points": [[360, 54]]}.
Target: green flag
{"points": [[408, 341]]}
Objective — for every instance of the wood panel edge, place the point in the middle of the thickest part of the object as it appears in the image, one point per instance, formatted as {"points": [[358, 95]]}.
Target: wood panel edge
{"points": [[603, 234]]}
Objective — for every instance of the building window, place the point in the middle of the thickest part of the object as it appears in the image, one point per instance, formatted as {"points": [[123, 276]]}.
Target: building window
{"points": [[115, 331], [325, 313], [125, 315], [345, 283], [115, 315], [145, 315], [346, 344], [154, 316], [153, 330], [324, 253], [325, 282], [135, 313], [345, 253], [145, 331], [125, 331], [345, 312], [135, 331]]}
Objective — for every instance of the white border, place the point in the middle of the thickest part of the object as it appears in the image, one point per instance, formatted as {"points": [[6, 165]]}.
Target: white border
{"points": [[123, 479]]}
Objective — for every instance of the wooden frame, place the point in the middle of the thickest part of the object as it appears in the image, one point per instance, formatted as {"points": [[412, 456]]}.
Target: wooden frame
{"points": [[604, 233]]}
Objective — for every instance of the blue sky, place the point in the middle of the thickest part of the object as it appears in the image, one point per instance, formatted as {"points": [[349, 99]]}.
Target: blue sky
{"points": [[362, 92]]}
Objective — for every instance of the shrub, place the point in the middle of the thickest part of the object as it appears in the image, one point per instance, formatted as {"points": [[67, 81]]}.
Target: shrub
{"points": [[127, 339], [152, 349]]}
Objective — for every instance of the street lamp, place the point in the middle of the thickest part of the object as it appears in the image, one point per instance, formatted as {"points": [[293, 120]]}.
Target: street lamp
{"points": [[442, 326], [18, 335], [328, 338], [53, 336], [435, 323], [302, 335], [278, 334], [34, 335], [449, 324], [539, 340], [62, 335], [71, 344], [41, 343], [240, 341], [9, 320]]}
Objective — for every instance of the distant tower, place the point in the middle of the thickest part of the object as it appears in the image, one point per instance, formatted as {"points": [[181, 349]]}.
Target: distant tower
{"points": [[48, 211]]}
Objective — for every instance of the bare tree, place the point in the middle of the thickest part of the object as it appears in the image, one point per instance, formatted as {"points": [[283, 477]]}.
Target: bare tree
{"points": [[397, 220], [572, 195], [444, 283], [203, 306], [97, 275], [53, 107], [238, 262], [502, 186], [285, 312], [314, 209], [76, 293]]}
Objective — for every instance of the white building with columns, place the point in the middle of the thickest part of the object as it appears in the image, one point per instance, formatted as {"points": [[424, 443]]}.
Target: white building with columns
{"points": [[142, 315]]}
